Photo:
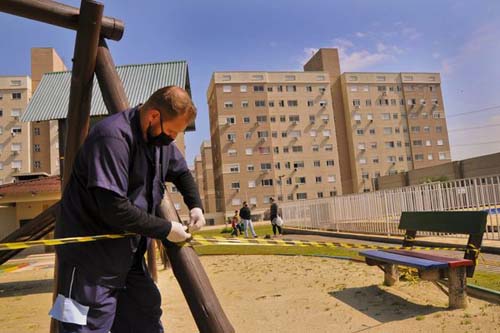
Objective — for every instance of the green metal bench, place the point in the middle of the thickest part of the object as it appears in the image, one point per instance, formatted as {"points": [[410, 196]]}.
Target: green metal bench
{"points": [[432, 267]]}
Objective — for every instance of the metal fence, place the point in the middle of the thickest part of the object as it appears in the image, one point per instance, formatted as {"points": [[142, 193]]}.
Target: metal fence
{"points": [[379, 212]]}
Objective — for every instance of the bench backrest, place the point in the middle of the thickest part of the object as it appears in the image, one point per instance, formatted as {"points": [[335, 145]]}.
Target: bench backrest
{"points": [[448, 222], [464, 222]]}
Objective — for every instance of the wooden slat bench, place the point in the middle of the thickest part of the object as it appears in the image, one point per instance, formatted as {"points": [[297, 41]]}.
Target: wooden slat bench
{"points": [[433, 267]]}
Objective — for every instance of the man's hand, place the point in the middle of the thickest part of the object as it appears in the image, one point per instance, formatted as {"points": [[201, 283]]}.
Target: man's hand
{"points": [[178, 233], [196, 219]]}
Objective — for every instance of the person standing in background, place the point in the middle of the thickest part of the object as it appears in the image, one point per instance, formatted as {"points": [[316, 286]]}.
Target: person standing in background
{"points": [[246, 216]]}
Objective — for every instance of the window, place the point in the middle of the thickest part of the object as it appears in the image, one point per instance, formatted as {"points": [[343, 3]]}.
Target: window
{"points": [[292, 103], [419, 157], [428, 143], [295, 134], [270, 104], [294, 118], [36, 131], [226, 77], [248, 135], [320, 195], [243, 88], [372, 131], [236, 202], [436, 115], [373, 145], [246, 120], [270, 89], [300, 180], [258, 88], [354, 88], [415, 129], [234, 168], [36, 148], [327, 133], [359, 131], [386, 116], [265, 166], [228, 105], [317, 164], [16, 164], [261, 119], [442, 156], [440, 142], [430, 157], [264, 150], [262, 134], [274, 134], [427, 129], [375, 160], [310, 103], [282, 119], [322, 90], [260, 104], [231, 137], [235, 185], [281, 103], [330, 163], [297, 149], [301, 196], [251, 183], [244, 104], [389, 144], [291, 88], [368, 102], [381, 88], [391, 159], [284, 134], [298, 164], [285, 150], [226, 89], [309, 88], [248, 151], [16, 130], [329, 147], [272, 119], [387, 130], [250, 168], [16, 95], [318, 179], [266, 182], [439, 129], [315, 148], [362, 160], [356, 102], [232, 152]]}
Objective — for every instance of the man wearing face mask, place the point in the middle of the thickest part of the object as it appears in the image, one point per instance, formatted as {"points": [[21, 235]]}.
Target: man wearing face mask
{"points": [[115, 187]]}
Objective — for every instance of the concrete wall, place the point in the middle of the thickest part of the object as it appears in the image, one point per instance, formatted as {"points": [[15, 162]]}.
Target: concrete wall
{"points": [[473, 167], [8, 222]]}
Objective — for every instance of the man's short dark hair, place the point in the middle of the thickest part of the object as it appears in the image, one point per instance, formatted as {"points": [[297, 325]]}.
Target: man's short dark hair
{"points": [[271, 199], [244, 203], [172, 102]]}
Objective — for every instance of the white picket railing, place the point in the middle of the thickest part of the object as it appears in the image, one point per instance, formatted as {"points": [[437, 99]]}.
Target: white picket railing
{"points": [[378, 212]]}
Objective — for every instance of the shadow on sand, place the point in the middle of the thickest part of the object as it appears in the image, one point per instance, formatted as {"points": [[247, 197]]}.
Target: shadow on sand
{"points": [[381, 305], [23, 288]]}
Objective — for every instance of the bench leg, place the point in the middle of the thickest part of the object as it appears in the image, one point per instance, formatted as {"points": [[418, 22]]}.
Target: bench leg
{"points": [[457, 287], [391, 274]]}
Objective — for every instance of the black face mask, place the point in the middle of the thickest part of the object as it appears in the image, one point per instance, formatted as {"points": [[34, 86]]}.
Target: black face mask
{"points": [[161, 139]]}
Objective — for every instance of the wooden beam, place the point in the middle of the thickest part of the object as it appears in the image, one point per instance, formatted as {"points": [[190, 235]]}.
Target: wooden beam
{"points": [[59, 14], [82, 76], [110, 83]]}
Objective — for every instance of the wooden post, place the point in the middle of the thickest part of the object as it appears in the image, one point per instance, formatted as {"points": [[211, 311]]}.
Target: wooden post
{"points": [[151, 256], [80, 96], [457, 288], [59, 14], [391, 274], [110, 83]]}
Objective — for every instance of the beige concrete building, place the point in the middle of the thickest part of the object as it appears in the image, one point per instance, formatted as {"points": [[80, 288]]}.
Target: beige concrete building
{"points": [[386, 123], [15, 141], [319, 133], [397, 122], [44, 134], [272, 135]]}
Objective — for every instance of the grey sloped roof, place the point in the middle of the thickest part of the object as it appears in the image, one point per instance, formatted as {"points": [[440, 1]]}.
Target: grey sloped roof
{"points": [[51, 98]]}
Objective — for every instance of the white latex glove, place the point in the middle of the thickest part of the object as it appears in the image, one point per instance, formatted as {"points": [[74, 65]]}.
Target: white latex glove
{"points": [[178, 233], [196, 219]]}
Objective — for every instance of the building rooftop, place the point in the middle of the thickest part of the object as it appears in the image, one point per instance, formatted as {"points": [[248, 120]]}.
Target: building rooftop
{"points": [[50, 100]]}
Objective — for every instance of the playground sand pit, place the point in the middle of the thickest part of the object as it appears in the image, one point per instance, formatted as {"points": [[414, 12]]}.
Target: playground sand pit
{"points": [[278, 294]]}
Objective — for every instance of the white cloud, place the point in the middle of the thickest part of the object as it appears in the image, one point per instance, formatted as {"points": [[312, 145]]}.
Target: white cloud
{"points": [[436, 55], [353, 58], [410, 33], [360, 34]]}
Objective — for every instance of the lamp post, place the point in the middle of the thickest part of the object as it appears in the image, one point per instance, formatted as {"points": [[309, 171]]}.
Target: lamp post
{"points": [[281, 186]]}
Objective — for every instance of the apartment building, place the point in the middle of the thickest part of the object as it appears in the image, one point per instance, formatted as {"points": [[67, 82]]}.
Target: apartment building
{"points": [[272, 135], [320, 133], [45, 134], [397, 121], [15, 143]]}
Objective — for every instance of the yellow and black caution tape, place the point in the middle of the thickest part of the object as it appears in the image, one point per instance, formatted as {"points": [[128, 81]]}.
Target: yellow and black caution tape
{"points": [[200, 240]]}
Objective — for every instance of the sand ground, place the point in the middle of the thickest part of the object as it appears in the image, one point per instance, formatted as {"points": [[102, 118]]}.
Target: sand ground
{"points": [[277, 294]]}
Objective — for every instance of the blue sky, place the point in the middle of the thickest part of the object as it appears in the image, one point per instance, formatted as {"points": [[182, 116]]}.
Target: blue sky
{"points": [[459, 39]]}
